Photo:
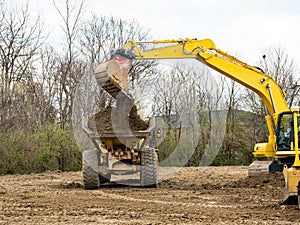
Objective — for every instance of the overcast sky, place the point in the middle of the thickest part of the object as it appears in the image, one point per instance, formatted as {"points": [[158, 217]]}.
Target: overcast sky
{"points": [[244, 28]]}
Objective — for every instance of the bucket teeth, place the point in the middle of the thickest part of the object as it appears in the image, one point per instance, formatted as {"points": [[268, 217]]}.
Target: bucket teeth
{"points": [[292, 186], [290, 199]]}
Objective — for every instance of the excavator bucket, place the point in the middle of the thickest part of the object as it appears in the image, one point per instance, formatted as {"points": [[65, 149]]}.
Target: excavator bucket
{"points": [[292, 189], [112, 76]]}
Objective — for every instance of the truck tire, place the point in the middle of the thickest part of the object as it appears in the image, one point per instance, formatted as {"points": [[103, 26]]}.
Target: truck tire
{"points": [[149, 168], [90, 165]]}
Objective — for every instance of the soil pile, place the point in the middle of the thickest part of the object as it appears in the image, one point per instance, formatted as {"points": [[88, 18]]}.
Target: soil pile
{"points": [[103, 122], [260, 181]]}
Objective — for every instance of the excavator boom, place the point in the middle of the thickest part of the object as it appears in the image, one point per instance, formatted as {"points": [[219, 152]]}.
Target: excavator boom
{"points": [[206, 52]]}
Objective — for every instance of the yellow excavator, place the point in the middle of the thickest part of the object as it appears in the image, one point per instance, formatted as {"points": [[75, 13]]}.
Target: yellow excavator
{"points": [[281, 150], [279, 154]]}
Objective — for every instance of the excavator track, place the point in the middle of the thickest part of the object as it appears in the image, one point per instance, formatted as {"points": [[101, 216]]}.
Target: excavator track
{"points": [[259, 167]]}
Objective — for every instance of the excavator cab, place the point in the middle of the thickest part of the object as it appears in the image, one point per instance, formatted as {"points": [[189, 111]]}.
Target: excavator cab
{"points": [[278, 151], [286, 137], [284, 131], [292, 174]]}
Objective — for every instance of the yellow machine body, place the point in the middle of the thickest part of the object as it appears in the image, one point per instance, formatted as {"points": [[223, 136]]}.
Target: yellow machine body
{"points": [[251, 77], [292, 174]]}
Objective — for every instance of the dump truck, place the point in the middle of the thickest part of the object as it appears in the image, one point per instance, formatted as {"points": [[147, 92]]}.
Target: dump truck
{"points": [[121, 148]]}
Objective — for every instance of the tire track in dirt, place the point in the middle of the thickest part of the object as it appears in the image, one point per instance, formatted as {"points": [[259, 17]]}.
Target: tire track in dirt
{"points": [[218, 195], [209, 204]]}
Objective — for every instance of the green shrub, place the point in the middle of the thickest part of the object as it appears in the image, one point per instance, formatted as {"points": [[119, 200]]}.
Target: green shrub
{"points": [[47, 148]]}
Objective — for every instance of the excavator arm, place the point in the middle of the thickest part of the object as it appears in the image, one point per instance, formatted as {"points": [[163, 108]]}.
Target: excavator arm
{"points": [[206, 52]]}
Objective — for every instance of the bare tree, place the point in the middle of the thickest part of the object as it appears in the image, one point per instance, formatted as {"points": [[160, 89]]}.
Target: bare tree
{"points": [[71, 68], [165, 93], [190, 94], [281, 67], [233, 101], [48, 80], [99, 36], [103, 34], [20, 41]]}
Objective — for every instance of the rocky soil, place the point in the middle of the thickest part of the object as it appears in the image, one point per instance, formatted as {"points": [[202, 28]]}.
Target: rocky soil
{"points": [[215, 195]]}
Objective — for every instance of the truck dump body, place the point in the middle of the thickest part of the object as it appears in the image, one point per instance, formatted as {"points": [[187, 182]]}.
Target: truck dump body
{"points": [[115, 137], [102, 121], [120, 153]]}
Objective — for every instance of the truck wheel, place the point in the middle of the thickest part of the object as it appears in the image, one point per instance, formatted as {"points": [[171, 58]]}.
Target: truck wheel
{"points": [[149, 168], [90, 165]]}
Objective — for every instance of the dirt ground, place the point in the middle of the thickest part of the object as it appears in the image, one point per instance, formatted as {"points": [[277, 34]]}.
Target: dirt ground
{"points": [[217, 195]]}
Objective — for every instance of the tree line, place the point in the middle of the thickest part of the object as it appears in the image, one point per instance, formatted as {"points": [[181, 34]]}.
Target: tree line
{"points": [[39, 79]]}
